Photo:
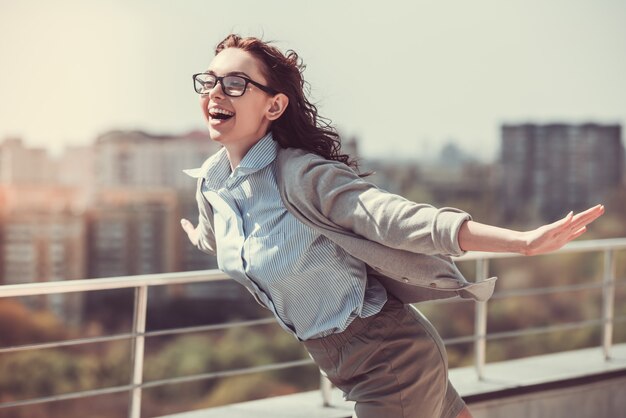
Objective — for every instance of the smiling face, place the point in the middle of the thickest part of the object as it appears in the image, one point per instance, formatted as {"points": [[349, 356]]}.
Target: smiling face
{"points": [[252, 112]]}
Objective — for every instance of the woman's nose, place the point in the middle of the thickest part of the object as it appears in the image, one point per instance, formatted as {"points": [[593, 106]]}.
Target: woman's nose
{"points": [[216, 90]]}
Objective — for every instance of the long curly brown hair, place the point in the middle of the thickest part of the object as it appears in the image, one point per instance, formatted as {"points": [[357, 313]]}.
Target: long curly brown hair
{"points": [[299, 126]]}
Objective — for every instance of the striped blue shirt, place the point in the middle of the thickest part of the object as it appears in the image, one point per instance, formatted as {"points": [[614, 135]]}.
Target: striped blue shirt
{"points": [[311, 285]]}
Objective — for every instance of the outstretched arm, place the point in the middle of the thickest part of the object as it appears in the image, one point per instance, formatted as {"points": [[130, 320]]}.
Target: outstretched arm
{"points": [[474, 236]]}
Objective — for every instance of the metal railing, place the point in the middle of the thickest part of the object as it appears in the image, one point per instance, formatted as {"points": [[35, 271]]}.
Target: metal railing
{"points": [[608, 248], [142, 283]]}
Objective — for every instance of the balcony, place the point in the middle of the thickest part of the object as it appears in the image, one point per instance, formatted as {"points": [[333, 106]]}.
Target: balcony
{"points": [[583, 382]]}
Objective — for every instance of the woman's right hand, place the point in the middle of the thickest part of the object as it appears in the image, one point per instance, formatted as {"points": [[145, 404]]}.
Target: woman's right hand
{"points": [[192, 232], [551, 237]]}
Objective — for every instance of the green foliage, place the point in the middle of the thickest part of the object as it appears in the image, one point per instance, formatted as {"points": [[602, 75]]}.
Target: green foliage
{"points": [[186, 355], [46, 372], [39, 373]]}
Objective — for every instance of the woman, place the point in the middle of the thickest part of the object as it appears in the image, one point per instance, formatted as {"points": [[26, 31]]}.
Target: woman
{"points": [[331, 255]]}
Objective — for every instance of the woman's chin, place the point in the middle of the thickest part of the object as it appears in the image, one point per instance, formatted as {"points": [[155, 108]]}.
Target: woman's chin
{"points": [[216, 134]]}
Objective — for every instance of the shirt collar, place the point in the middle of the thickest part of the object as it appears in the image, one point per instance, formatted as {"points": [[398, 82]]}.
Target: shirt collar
{"points": [[259, 156], [217, 168]]}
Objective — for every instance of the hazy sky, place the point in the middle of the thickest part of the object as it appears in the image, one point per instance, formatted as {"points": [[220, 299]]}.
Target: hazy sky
{"points": [[70, 70]]}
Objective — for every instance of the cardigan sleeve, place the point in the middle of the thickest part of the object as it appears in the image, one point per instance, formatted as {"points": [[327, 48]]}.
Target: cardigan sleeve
{"points": [[333, 191]]}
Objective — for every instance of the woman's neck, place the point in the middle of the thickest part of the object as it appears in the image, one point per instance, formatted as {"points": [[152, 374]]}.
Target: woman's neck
{"points": [[237, 150], [236, 154]]}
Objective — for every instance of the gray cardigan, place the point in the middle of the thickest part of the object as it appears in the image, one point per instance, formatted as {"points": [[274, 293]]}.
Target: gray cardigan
{"points": [[405, 245]]}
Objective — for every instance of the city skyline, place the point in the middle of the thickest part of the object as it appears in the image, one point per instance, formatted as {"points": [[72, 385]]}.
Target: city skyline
{"points": [[469, 69]]}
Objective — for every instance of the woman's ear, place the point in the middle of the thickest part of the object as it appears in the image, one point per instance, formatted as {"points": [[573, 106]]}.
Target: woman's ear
{"points": [[278, 105]]}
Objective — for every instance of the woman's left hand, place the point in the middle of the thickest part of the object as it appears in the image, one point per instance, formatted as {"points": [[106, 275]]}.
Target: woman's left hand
{"points": [[553, 236]]}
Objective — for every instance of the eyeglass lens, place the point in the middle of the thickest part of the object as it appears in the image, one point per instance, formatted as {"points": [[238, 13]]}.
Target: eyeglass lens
{"points": [[232, 84]]}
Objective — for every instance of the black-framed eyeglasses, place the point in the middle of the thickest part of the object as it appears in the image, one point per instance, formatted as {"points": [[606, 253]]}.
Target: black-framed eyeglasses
{"points": [[232, 85]]}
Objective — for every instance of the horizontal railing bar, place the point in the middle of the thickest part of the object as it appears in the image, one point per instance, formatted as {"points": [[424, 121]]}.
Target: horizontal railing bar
{"points": [[213, 327], [228, 373], [546, 290], [527, 292], [538, 330], [543, 330], [79, 341], [450, 341], [265, 321], [459, 340], [84, 285], [76, 341], [571, 247], [109, 283], [67, 396]]}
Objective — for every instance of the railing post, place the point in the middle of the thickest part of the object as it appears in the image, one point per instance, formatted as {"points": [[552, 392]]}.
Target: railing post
{"points": [[326, 387], [608, 297], [139, 328], [480, 321]]}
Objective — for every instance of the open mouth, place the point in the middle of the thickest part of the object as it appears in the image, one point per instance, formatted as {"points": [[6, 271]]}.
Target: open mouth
{"points": [[220, 114]]}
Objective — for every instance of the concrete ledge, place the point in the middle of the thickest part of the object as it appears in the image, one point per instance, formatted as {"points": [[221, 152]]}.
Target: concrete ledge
{"points": [[538, 373]]}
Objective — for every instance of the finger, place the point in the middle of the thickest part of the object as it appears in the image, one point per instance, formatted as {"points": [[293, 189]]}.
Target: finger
{"points": [[187, 226], [589, 212], [585, 221], [587, 217]]}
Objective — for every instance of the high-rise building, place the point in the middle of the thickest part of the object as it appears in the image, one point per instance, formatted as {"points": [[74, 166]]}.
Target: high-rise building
{"points": [[133, 231], [43, 238], [135, 158], [554, 168]]}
